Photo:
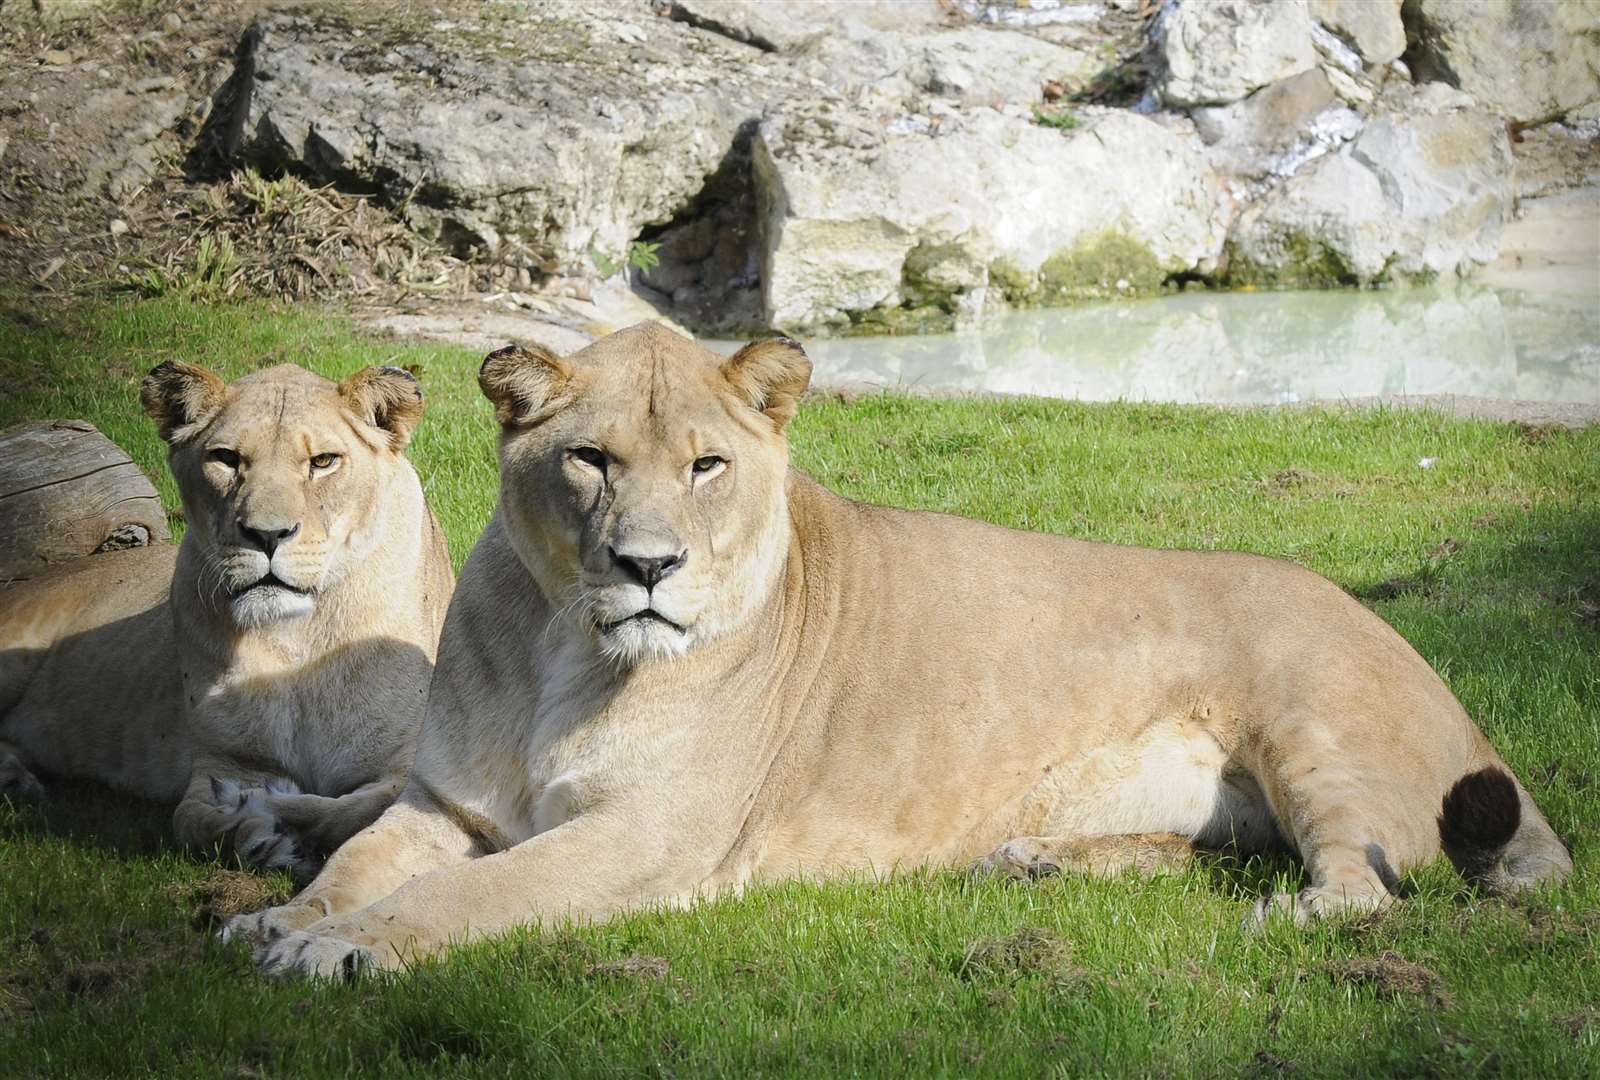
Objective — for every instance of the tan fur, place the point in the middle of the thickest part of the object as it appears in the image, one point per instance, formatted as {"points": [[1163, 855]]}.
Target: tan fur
{"points": [[281, 719], [832, 686]]}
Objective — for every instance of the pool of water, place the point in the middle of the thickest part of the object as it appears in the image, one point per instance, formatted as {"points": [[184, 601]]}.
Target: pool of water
{"points": [[1266, 347]]}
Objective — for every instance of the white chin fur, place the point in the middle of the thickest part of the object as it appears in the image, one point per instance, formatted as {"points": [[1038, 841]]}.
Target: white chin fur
{"points": [[642, 639], [267, 604]]}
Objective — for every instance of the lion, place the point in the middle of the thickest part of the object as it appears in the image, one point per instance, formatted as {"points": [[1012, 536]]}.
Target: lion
{"points": [[676, 666], [268, 674]]}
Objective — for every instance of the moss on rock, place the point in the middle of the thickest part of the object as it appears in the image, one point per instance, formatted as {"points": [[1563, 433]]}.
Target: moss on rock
{"points": [[1107, 264], [1304, 262]]}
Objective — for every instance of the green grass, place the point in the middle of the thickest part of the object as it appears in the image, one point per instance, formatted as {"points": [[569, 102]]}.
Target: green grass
{"points": [[103, 969]]}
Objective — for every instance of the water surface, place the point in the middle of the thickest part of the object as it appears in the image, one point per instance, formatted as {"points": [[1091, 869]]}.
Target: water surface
{"points": [[1245, 348]]}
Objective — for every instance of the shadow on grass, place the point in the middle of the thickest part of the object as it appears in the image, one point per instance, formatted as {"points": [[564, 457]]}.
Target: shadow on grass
{"points": [[91, 816]]}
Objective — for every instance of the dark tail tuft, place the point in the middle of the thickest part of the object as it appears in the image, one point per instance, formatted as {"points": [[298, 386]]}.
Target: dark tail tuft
{"points": [[1481, 814]]}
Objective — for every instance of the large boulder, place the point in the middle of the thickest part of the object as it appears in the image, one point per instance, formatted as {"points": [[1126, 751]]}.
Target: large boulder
{"points": [[512, 140], [1420, 193], [919, 230], [1211, 52], [1530, 60]]}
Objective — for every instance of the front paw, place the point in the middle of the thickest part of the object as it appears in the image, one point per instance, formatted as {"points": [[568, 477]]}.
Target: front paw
{"points": [[306, 954], [260, 927], [257, 835]]}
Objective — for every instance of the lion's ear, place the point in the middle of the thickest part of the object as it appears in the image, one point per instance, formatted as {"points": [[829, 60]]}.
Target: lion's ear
{"points": [[388, 398], [527, 384], [770, 375], [181, 398]]}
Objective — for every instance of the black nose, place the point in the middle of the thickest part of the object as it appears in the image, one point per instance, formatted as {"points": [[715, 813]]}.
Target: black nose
{"points": [[649, 571], [268, 539]]}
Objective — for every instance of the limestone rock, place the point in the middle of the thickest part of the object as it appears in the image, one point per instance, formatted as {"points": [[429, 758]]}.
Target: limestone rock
{"points": [[919, 231], [771, 25], [1421, 192], [1525, 59], [528, 148], [1276, 130], [1372, 28], [1217, 51]]}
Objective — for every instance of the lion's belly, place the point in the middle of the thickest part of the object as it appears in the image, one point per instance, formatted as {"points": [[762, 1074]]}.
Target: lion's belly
{"points": [[1171, 776]]}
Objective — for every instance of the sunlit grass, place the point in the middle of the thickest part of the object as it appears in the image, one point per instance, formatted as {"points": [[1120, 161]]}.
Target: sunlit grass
{"points": [[102, 971]]}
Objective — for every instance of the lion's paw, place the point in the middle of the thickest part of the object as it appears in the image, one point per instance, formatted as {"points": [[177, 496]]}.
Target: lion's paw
{"points": [[1315, 902], [260, 838], [1023, 859], [269, 924], [304, 954]]}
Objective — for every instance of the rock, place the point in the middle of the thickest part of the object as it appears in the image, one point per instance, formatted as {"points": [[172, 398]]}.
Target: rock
{"points": [[1277, 129], [118, 227], [172, 22], [1525, 60], [979, 66], [1217, 51], [772, 25], [1372, 28], [896, 233], [1421, 192], [528, 148]]}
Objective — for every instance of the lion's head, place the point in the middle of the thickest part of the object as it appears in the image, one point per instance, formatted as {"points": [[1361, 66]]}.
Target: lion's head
{"points": [[642, 481], [283, 476]]}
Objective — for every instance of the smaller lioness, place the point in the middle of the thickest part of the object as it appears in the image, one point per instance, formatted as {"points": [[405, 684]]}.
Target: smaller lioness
{"points": [[269, 673], [676, 666]]}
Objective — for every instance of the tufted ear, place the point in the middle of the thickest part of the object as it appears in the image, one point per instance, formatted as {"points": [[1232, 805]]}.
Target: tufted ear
{"points": [[388, 398], [181, 398], [770, 375], [527, 384]]}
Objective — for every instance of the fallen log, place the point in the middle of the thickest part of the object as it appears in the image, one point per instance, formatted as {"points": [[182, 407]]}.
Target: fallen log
{"points": [[67, 491]]}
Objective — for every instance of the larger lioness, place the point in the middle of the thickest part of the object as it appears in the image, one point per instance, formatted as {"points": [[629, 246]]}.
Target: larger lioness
{"points": [[269, 674], [675, 666]]}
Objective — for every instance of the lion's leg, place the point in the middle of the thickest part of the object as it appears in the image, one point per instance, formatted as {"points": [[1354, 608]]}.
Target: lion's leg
{"points": [[223, 809], [1031, 857], [413, 837], [17, 783], [1357, 820], [328, 821]]}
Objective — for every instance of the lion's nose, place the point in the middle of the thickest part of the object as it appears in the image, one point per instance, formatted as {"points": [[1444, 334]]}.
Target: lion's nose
{"points": [[268, 539], [648, 570]]}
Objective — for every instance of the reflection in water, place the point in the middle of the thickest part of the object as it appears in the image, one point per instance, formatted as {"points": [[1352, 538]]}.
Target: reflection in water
{"points": [[1255, 348]]}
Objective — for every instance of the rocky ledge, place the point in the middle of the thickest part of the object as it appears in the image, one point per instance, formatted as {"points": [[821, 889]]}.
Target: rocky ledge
{"points": [[901, 165]]}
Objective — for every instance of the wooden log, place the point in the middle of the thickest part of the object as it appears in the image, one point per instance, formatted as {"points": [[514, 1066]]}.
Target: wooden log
{"points": [[67, 491]]}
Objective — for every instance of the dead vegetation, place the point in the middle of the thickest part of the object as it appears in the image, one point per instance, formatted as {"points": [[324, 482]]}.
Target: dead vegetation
{"points": [[1392, 977], [112, 178], [222, 894]]}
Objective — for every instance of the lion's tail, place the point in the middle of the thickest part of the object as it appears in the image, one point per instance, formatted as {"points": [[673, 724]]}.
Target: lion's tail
{"points": [[1495, 836]]}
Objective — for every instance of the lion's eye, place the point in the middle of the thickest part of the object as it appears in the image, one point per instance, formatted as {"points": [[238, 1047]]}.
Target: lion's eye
{"points": [[590, 456], [706, 464], [324, 462], [228, 459]]}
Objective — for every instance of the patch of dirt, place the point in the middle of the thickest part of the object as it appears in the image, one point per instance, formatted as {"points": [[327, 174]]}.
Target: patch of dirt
{"points": [[1392, 977], [1267, 1063], [225, 893], [1029, 951], [633, 966], [1579, 1023], [110, 176], [1289, 479]]}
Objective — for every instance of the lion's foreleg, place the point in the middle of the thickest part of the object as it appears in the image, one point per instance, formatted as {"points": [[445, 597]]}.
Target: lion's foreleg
{"points": [[411, 838], [588, 868], [328, 821]]}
